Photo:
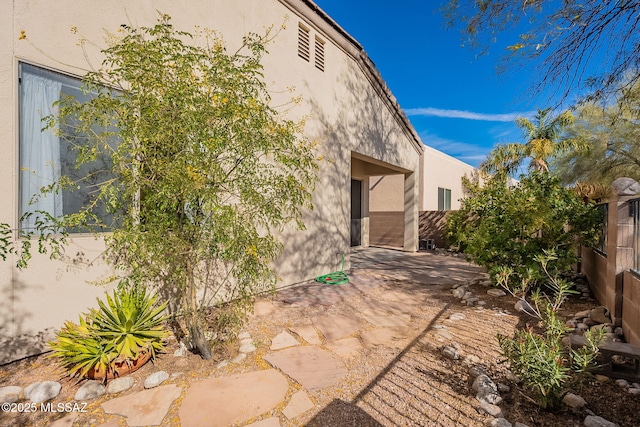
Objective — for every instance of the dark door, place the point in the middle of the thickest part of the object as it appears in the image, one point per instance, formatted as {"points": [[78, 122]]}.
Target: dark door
{"points": [[356, 212]]}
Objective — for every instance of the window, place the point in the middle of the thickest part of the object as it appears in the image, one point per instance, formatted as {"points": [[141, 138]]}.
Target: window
{"points": [[303, 42], [444, 199], [319, 54], [46, 155]]}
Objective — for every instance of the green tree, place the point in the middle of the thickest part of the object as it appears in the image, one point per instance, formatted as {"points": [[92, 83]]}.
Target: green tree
{"points": [[574, 45], [608, 135], [501, 226], [206, 172], [544, 141]]}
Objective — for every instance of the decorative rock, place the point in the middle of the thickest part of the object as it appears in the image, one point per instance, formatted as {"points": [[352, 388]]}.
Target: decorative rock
{"points": [[239, 358], [595, 421], [90, 390], [599, 315], [283, 340], [451, 352], [119, 385], [493, 410], [634, 391], [181, 351], [486, 389], [459, 292], [28, 389], [574, 401], [496, 292], [155, 379], [444, 333], [500, 422], [472, 300], [602, 378], [244, 336], [247, 348], [622, 383], [10, 394], [298, 404], [581, 314], [471, 360], [503, 388], [45, 391], [222, 364], [476, 371], [524, 307]]}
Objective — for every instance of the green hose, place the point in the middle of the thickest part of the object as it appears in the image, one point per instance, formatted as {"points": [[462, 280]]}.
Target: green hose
{"points": [[335, 278]]}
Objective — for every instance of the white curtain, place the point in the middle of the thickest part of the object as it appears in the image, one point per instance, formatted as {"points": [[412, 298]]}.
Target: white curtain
{"points": [[39, 150]]}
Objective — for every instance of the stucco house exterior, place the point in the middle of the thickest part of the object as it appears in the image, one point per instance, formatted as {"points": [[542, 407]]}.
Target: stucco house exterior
{"points": [[440, 191], [361, 130]]}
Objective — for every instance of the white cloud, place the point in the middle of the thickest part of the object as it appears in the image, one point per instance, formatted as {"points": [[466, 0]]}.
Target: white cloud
{"points": [[468, 153], [469, 115]]}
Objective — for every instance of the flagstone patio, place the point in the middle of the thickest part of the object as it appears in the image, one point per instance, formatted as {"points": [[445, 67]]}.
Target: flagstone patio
{"points": [[363, 353]]}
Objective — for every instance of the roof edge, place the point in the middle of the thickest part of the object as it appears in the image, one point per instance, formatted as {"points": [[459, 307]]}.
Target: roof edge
{"points": [[350, 45]]}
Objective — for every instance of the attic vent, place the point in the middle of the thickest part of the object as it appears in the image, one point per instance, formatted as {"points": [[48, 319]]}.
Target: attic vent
{"points": [[303, 42], [319, 54]]}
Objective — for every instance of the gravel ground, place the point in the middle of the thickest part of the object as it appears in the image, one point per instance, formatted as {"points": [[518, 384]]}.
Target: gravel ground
{"points": [[404, 382]]}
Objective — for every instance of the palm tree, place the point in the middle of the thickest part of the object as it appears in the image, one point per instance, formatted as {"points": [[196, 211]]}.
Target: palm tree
{"points": [[543, 142]]}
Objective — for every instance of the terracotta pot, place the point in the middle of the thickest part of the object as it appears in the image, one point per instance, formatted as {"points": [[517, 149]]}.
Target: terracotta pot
{"points": [[119, 368]]}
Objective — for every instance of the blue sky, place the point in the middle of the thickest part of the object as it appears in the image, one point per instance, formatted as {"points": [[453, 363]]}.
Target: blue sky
{"points": [[456, 101]]}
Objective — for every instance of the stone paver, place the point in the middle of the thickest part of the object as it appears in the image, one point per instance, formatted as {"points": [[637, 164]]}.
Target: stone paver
{"points": [[334, 327], [346, 348], [307, 333], [144, 408], [267, 422], [283, 340], [263, 308], [66, 421], [312, 367], [218, 402], [298, 404]]}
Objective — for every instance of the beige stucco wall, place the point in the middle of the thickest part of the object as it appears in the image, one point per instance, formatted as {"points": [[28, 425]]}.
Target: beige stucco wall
{"points": [[444, 171], [347, 113], [438, 170]]}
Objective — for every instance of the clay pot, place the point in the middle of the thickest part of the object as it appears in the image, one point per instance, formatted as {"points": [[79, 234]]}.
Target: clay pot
{"points": [[120, 368]]}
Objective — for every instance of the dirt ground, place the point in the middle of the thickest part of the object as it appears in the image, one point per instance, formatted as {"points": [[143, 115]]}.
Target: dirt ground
{"points": [[404, 382]]}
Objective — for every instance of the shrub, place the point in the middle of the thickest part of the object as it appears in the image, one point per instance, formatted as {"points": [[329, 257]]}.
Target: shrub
{"points": [[540, 359], [508, 226], [124, 328]]}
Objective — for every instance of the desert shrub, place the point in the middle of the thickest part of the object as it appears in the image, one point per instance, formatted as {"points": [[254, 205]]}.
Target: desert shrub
{"points": [[502, 225], [537, 355]]}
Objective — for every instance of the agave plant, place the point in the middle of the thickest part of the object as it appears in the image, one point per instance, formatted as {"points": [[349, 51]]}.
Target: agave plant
{"points": [[126, 327]]}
